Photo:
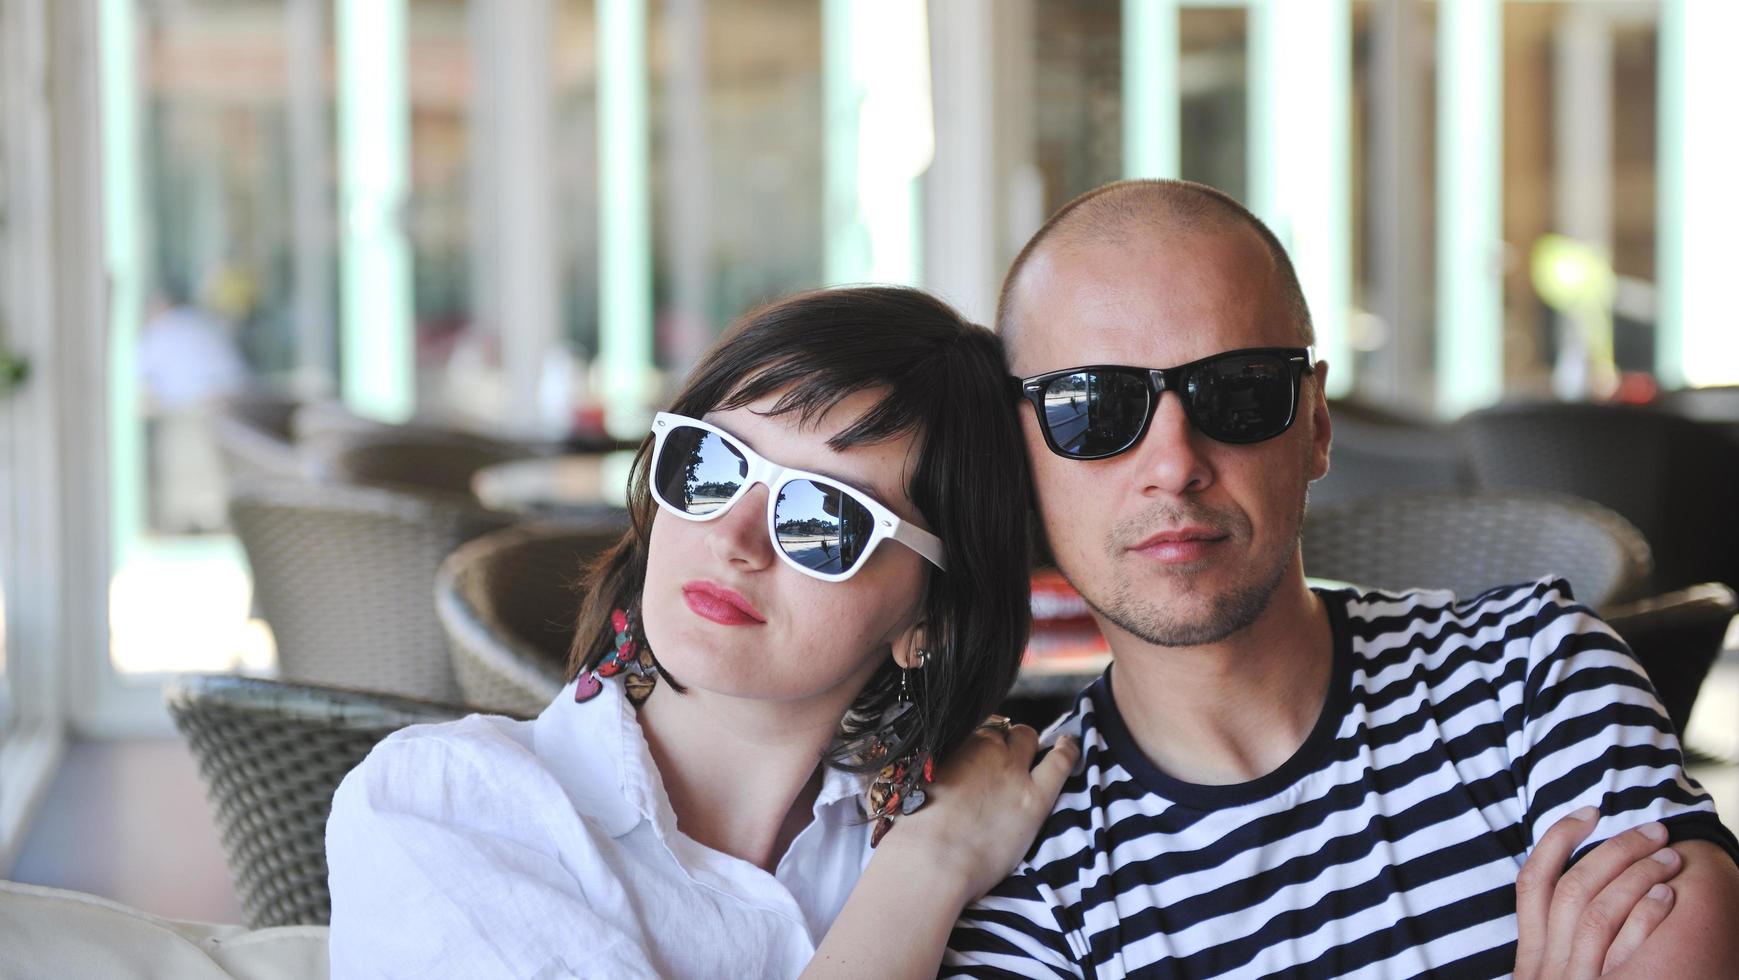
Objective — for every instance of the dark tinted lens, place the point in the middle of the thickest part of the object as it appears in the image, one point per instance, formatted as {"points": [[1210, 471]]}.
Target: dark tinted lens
{"points": [[1241, 398], [697, 471], [1093, 413], [821, 527]]}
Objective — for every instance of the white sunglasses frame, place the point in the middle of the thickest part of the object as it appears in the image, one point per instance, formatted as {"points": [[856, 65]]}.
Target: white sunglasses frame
{"points": [[764, 471]]}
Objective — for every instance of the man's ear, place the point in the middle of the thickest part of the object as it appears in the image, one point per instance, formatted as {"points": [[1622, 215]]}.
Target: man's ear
{"points": [[1322, 430]]}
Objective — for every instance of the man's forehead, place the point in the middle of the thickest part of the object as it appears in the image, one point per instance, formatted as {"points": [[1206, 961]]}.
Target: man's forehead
{"points": [[1153, 301]]}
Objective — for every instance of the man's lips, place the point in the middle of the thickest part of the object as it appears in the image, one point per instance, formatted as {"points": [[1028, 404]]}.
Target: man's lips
{"points": [[1179, 545], [714, 602]]}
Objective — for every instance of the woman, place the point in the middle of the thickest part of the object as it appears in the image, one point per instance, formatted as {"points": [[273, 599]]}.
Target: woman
{"points": [[824, 592]]}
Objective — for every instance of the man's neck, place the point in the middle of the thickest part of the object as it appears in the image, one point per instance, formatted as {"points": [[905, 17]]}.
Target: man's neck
{"points": [[1235, 710]]}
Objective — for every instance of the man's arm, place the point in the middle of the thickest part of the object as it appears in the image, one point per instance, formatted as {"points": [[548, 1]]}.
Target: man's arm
{"points": [[1700, 936]]}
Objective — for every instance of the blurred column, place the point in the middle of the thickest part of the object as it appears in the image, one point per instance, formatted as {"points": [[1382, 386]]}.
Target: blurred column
{"points": [[1300, 157], [1696, 340], [1582, 190], [379, 367], [880, 137], [311, 203], [687, 165], [624, 219], [1469, 205], [124, 250], [514, 105], [1398, 367], [1151, 128], [960, 250]]}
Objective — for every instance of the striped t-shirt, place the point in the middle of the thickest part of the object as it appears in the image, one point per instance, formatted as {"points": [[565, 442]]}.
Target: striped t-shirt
{"points": [[1454, 734]]}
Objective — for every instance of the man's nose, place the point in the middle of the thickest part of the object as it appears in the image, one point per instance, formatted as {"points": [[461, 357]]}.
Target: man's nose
{"points": [[1170, 456]]}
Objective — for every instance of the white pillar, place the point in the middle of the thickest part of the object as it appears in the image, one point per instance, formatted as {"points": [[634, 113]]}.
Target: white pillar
{"points": [[624, 212], [379, 370], [1151, 127], [311, 204], [1697, 337], [960, 248], [522, 261], [1300, 152], [1470, 312]]}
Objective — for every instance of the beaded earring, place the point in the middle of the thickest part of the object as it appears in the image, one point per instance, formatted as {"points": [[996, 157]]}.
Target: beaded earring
{"points": [[898, 789], [633, 660]]}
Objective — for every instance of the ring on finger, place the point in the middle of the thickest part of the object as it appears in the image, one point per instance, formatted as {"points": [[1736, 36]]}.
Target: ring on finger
{"points": [[999, 724]]}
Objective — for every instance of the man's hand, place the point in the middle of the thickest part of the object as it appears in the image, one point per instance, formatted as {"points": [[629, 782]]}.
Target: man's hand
{"points": [[1587, 921]]}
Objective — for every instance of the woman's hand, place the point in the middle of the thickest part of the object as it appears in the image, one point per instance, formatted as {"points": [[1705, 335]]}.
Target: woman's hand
{"points": [[985, 806], [983, 810], [1587, 921]]}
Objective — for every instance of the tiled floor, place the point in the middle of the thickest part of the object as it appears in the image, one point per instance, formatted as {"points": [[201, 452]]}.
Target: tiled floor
{"points": [[127, 820]]}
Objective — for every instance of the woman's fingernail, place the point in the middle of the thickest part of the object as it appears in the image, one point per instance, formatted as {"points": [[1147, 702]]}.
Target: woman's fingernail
{"points": [[1585, 814], [1661, 893], [1656, 832], [1666, 855]]}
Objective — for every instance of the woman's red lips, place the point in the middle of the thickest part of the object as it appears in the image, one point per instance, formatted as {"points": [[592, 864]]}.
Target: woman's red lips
{"points": [[718, 604]]}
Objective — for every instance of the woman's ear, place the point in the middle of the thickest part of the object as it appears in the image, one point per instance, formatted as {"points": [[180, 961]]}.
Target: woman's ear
{"points": [[909, 648]]}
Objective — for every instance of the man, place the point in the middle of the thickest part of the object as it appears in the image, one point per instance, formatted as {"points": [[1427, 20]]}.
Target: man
{"points": [[1276, 779]]}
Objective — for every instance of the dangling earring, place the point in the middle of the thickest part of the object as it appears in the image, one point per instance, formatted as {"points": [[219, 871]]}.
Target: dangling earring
{"points": [[898, 789], [635, 658]]}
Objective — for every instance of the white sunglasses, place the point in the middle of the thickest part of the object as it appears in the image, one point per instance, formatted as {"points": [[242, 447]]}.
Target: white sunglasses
{"points": [[820, 526]]}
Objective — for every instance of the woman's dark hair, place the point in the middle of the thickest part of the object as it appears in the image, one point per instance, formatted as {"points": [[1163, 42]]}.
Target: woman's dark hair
{"points": [[943, 380]]}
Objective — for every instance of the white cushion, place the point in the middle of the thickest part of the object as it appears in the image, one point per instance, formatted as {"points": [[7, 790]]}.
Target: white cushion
{"points": [[51, 932]]}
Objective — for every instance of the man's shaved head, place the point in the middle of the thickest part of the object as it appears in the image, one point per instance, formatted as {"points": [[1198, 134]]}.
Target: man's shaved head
{"points": [[1128, 212]]}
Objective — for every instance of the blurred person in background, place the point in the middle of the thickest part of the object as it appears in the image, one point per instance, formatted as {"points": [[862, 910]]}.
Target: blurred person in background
{"points": [[188, 361]]}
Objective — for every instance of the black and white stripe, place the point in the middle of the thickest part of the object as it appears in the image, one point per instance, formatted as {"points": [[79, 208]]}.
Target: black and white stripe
{"points": [[1455, 732]]}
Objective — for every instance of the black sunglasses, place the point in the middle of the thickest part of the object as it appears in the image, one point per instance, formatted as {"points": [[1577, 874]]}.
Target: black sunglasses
{"points": [[1237, 396]]}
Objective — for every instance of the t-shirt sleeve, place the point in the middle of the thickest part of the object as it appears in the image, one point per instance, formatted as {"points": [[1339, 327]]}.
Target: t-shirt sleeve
{"points": [[435, 871], [1593, 733], [1013, 931]]}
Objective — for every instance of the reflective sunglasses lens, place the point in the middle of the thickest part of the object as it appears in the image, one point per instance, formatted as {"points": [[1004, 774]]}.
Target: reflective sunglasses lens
{"points": [[1095, 413], [698, 473], [820, 527], [1241, 398]]}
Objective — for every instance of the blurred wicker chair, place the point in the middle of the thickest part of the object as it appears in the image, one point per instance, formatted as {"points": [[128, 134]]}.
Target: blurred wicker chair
{"points": [[345, 576], [1677, 637], [1677, 480], [1717, 406], [1377, 454], [271, 755], [431, 464], [253, 436], [1469, 543], [508, 602]]}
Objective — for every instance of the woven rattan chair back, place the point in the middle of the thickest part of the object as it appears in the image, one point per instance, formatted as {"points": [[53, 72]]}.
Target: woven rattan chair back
{"points": [[345, 576], [252, 433], [1376, 455], [271, 755], [1677, 480], [1469, 543], [508, 601], [419, 463], [1677, 637]]}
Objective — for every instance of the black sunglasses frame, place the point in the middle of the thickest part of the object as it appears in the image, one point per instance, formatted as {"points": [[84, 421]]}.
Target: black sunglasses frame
{"points": [[1301, 360]]}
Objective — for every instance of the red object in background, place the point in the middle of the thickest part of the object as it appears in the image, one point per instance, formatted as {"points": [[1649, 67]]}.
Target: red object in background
{"points": [[1056, 601], [1635, 388]]}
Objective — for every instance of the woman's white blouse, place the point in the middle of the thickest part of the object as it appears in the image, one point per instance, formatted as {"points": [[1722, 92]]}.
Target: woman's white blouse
{"points": [[487, 847]]}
